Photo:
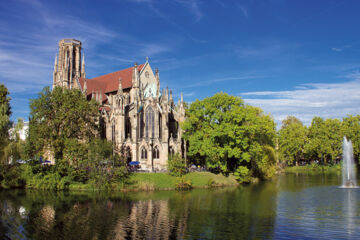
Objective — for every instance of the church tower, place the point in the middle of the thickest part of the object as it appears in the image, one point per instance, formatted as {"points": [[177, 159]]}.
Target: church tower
{"points": [[68, 67]]}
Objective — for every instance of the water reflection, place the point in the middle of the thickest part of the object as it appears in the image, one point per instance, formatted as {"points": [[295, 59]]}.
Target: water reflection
{"points": [[291, 206], [219, 213], [350, 210]]}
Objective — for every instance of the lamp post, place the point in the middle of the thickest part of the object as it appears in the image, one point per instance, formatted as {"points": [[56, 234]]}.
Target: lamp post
{"points": [[152, 157]]}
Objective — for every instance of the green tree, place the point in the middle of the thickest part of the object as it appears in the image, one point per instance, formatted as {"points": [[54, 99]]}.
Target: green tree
{"points": [[226, 134], [5, 123], [57, 116], [351, 129], [15, 149], [325, 139], [176, 165], [292, 140]]}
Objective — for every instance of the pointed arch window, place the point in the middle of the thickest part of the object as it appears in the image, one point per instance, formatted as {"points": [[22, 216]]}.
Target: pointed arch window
{"points": [[143, 153], [171, 151], [149, 117], [113, 132], [142, 124], [156, 153]]}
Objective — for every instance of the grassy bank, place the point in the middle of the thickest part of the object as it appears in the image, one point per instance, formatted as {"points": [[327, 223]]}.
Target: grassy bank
{"points": [[164, 181], [313, 168]]}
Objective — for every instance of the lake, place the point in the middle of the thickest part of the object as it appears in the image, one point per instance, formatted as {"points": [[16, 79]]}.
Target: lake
{"points": [[291, 206]]}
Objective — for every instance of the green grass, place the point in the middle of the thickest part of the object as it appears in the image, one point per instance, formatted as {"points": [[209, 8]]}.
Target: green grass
{"points": [[314, 168], [153, 181]]}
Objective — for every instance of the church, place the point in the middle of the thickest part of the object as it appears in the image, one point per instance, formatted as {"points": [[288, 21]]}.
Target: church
{"points": [[135, 114]]}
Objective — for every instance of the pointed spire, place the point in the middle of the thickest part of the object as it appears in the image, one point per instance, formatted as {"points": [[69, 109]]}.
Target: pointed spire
{"points": [[181, 98], [120, 89], [171, 97], [157, 82], [147, 59], [100, 97], [167, 94], [83, 67], [135, 75], [85, 88]]}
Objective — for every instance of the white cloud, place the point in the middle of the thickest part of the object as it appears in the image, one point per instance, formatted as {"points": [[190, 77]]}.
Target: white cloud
{"points": [[332, 100], [243, 10], [193, 7], [336, 49]]}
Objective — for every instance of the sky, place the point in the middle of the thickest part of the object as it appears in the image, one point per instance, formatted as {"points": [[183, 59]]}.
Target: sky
{"points": [[298, 58]]}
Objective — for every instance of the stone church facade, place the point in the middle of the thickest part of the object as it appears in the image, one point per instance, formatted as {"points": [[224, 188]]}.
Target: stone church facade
{"points": [[135, 114]]}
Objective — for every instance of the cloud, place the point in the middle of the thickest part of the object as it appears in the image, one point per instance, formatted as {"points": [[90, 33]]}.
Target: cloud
{"points": [[327, 100], [340, 49], [264, 50], [217, 80], [243, 10], [193, 7], [336, 49]]}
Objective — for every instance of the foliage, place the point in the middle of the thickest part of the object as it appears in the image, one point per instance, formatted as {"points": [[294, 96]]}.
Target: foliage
{"points": [[59, 115], [10, 177], [176, 165], [351, 128], [5, 123], [292, 140], [242, 174], [183, 183], [266, 166], [225, 134], [325, 138]]}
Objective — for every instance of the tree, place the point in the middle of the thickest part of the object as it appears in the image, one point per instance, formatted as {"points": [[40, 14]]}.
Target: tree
{"points": [[226, 134], [325, 139], [5, 123], [351, 129], [292, 140], [57, 116]]}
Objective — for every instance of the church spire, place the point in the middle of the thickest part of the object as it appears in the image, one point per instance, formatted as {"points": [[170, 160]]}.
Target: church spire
{"points": [[83, 74], [85, 88], [120, 89], [157, 82], [135, 77]]}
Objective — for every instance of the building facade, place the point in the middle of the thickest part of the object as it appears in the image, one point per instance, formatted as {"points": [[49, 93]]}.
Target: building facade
{"points": [[135, 114]]}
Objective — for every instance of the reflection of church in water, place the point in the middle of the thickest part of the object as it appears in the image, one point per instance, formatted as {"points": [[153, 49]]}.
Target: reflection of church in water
{"points": [[135, 114]]}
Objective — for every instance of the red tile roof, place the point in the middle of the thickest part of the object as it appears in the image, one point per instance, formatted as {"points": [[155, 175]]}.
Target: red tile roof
{"points": [[109, 82]]}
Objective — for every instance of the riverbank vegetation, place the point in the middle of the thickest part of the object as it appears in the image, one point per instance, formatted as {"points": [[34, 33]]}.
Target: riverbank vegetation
{"points": [[320, 144], [230, 139]]}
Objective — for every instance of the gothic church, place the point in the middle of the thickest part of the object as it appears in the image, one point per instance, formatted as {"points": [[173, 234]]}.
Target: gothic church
{"points": [[135, 113]]}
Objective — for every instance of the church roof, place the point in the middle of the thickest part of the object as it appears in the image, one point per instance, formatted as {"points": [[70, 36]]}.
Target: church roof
{"points": [[109, 82]]}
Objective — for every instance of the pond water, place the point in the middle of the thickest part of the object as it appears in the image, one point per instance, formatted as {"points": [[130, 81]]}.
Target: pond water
{"points": [[292, 206]]}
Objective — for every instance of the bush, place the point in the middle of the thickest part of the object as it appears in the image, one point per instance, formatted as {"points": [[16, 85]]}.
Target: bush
{"points": [[11, 177], [242, 174], [183, 183], [177, 165]]}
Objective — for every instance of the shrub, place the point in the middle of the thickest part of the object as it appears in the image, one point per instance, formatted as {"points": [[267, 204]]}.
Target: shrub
{"points": [[11, 177], [177, 165], [183, 183], [242, 174]]}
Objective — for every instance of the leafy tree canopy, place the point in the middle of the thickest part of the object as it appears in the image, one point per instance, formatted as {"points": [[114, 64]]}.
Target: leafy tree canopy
{"points": [[292, 140], [224, 134], [5, 123], [59, 115]]}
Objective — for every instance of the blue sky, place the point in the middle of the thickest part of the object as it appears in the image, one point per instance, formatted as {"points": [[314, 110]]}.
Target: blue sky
{"points": [[297, 58]]}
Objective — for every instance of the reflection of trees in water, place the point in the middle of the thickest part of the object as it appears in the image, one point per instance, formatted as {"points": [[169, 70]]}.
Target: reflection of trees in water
{"points": [[246, 212]]}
